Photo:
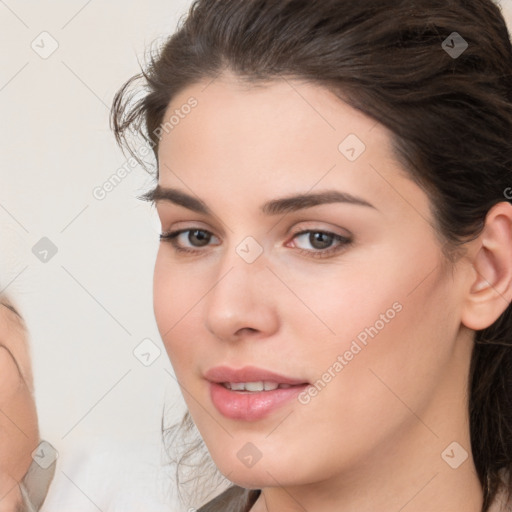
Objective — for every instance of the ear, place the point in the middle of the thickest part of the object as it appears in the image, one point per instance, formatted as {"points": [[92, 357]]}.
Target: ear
{"points": [[490, 286]]}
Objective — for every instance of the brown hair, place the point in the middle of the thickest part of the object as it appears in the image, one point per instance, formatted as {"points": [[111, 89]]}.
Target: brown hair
{"points": [[450, 116]]}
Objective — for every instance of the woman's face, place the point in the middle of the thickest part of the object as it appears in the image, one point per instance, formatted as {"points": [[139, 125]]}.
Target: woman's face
{"points": [[371, 320]]}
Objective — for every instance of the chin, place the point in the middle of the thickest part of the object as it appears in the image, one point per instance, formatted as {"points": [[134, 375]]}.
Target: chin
{"points": [[258, 476]]}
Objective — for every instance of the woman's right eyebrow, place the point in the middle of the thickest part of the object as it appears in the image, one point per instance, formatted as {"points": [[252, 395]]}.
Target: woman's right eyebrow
{"points": [[274, 207]]}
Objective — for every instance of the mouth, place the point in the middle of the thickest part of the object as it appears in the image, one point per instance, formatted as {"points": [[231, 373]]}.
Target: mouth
{"points": [[251, 393], [251, 378], [244, 405], [257, 387]]}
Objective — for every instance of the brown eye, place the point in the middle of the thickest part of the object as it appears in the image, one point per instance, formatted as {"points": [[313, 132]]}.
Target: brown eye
{"points": [[320, 240], [195, 237], [200, 235], [322, 243]]}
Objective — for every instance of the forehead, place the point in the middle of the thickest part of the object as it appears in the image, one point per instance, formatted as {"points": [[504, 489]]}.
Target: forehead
{"points": [[266, 127], [273, 138], [280, 113]]}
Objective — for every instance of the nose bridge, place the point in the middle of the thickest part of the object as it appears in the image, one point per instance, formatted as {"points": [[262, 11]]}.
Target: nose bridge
{"points": [[241, 269], [245, 257], [238, 298]]}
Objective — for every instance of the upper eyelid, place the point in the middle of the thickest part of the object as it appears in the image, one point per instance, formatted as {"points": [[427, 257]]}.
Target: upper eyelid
{"points": [[14, 312], [189, 225], [294, 234]]}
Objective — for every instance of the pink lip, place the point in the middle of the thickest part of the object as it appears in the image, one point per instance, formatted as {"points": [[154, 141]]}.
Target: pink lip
{"points": [[248, 374], [249, 406]]}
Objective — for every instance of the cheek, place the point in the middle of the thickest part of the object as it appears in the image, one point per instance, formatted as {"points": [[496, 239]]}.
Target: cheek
{"points": [[395, 349], [171, 291], [396, 320], [177, 291]]}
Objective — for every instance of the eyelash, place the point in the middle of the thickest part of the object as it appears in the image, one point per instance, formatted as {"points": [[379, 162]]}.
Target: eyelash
{"points": [[318, 253]]}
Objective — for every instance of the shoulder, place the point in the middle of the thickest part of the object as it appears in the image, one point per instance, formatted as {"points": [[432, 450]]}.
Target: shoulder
{"points": [[233, 499]]}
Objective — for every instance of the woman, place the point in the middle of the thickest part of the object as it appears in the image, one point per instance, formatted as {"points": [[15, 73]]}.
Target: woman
{"points": [[26, 465], [334, 278]]}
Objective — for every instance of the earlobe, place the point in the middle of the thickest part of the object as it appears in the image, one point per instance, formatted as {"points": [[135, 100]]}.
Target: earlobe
{"points": [[490, 290]]}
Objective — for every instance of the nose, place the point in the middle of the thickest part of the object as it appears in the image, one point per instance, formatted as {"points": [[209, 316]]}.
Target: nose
{"points": [[243, 300]]}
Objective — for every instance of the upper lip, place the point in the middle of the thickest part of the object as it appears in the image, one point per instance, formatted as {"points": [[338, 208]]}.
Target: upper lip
{"points": [[221, 374]]}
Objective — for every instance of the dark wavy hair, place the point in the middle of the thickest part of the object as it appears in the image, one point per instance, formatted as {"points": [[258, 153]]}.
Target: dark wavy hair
{"points": [[450, 117]]}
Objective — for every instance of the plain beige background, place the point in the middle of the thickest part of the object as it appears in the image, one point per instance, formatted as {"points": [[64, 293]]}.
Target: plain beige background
{"points": [[89, 305]]}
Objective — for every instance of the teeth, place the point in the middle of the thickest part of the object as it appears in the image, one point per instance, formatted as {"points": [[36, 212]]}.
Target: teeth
{"points": [[254, 386]]}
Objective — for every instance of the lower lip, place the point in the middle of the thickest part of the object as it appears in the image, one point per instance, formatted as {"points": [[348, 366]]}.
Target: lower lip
{"points": [[250, 406]]}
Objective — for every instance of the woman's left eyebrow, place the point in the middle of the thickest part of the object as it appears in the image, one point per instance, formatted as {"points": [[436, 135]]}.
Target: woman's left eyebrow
{"points": [[273, 207]]}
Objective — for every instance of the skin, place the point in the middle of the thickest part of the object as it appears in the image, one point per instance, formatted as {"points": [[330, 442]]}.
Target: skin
{"points": [[373, 437], [19, 434]]}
